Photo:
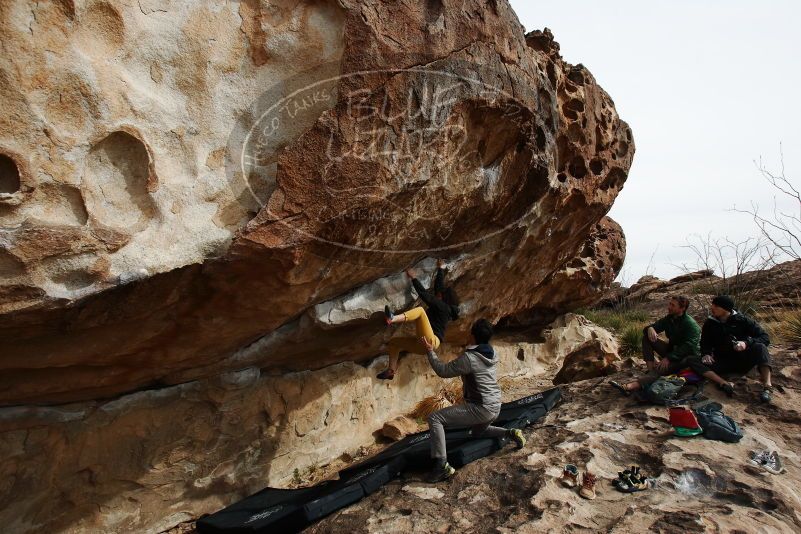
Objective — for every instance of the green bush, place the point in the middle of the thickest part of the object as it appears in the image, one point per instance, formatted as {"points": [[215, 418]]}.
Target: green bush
{"points": [[631, 340]]}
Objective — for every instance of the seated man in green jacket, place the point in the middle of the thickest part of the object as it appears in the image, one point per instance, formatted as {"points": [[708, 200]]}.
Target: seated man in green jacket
{"points": [[681, 349]]}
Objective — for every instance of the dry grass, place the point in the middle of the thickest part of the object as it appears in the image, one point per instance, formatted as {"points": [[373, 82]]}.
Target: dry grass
{"points": [[783, 325], [429, 405], [790, 328], [448, 395]]}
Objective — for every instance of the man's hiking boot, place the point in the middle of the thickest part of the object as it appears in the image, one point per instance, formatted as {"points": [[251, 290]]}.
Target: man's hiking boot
{"points": [[388, 315], [766, 394], [587, 486], [517, 436], [441, 472], [620, 388], [570, 476], [727, 388], [386, 374]]}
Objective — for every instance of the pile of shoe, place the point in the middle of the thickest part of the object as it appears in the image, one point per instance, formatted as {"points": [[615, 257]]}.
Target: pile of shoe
{"points": [[767, 460], [569, 479], [631, 480]]}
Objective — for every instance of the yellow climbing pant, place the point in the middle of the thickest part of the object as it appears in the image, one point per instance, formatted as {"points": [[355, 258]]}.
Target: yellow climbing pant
{"points": [[400, 344]]}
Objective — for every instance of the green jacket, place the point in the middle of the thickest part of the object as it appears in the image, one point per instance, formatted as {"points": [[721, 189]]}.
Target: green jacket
{"points": [[683, 333]]}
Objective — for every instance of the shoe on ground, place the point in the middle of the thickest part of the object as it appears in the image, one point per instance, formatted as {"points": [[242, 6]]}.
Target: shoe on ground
{"points": [[441, 472], [727, 388], [622, 482], [620, 388], [570, 476], [386, 374], [772, 464], [758, 458], [766, 395], [517, 436], [587, 486], [637, 483], [623, 476]]}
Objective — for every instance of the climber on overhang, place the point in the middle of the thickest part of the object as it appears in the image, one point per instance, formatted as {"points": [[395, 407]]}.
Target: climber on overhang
{"points": [[430, 324]]}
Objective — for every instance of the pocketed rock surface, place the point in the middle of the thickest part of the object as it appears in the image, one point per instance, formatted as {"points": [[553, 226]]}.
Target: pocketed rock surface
{"points": [[701, 485], [160, 224]]}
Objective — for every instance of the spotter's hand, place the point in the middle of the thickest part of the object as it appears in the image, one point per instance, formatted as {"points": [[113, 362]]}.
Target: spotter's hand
{"points": [[426, 343]]}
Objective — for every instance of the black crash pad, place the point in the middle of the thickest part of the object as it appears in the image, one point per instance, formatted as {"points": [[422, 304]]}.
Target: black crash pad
{"points": [[280, 510]]}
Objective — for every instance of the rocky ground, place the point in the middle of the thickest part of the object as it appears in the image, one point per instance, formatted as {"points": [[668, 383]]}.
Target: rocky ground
{"points": [[702, 485]]}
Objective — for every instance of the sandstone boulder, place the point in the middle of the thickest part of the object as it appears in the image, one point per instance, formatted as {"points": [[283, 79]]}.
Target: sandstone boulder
{"points": [[696, 275], [193, 188], [587, 350], [644, 287]]}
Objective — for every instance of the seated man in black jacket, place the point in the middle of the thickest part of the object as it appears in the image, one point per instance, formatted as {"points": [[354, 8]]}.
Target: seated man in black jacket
{"points": [[429, 324], [733, 343]]}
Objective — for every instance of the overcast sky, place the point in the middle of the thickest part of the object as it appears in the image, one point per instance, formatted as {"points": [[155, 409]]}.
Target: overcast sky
{"points": [[707, 87]]}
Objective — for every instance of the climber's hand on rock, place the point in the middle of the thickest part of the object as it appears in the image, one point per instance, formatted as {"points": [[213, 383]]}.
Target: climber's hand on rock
{"points": [[440, 263], [409, 273]]}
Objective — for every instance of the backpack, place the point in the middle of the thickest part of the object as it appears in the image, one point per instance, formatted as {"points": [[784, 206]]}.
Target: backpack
{"points": [[663, 390], [717, 425]]}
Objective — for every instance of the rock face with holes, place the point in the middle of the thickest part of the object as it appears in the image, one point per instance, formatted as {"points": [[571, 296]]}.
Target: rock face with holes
{"points": [[189, 189], [205, 205]]}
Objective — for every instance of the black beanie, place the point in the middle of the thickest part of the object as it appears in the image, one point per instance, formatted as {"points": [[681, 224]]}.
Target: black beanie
{"points": [[724, 301]]}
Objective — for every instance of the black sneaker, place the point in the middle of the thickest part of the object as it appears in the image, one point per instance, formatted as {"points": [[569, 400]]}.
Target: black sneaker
{"points": [[441, 472], [388, 315], [766, 395], [727, 388]]}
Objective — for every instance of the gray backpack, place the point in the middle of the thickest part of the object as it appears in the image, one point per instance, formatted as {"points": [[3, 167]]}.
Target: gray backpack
{"points": [[717, 425], [663, 390]]}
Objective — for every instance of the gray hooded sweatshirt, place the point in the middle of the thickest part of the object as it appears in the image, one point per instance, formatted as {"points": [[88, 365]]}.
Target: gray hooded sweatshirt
{"points": [[477, 369]]}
